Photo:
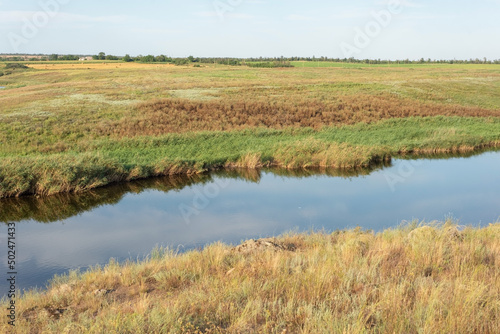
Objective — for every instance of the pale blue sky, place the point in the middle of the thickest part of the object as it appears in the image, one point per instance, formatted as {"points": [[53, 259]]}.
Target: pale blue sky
{"points": [[248, 28]]}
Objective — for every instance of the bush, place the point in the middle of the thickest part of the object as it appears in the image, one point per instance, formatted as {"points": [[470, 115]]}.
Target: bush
{"points": [[271, 64], [181, 61], [15, 66]]}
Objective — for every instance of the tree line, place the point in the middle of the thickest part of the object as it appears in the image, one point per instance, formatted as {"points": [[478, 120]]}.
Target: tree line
{"points": [[263, 61]]}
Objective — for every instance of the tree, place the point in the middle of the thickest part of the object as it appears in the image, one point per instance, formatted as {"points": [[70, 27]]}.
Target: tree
{"points": [[148, 59], [101, 56], [127, 58], [181, 61], [161, 59], [53, 57]]}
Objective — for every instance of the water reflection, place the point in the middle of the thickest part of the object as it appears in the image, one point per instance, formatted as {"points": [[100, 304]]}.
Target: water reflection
{"points": [[63, 206], [126, 221]]}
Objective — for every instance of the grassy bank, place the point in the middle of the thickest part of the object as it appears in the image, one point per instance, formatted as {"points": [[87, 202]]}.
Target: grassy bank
{"points": [[75, 126], [413, 279], [92, 164]]}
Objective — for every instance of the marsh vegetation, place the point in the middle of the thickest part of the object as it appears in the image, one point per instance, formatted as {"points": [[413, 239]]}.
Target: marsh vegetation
{"points": [[76, 126]]}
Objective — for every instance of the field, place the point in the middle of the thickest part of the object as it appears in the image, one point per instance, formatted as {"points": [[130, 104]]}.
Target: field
{"points": [[431, 278], [72, 126]]}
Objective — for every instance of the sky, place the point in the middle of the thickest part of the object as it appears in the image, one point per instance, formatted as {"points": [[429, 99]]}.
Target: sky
{"points": [[363, 29]]}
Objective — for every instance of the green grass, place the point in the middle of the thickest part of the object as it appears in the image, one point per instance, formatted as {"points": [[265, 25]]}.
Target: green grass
{"points": [[401, 65], [96, 163], [418, 278]]}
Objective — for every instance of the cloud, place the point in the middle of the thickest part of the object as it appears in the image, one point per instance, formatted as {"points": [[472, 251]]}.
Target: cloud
{"points": [[14, 16], [159, 31], [229, 15], [17, 16], [428, 17], [404, 3], [361, 12], [88, 19], [295, 17]]}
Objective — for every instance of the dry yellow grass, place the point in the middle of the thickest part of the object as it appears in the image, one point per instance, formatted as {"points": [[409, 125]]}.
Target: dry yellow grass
{"points": [[94, 65], [415, 279]]}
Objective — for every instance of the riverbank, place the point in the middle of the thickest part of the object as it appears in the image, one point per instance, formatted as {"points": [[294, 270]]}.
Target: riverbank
{"points": [[90, 164], [416, 278]]}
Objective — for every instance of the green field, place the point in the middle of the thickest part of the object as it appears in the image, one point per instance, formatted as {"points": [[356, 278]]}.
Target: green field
{"points": [[71, 126]]}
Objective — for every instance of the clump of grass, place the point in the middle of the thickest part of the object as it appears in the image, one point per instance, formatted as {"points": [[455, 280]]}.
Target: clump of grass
{"points": [[274, 64], [431, 278], [52, 174], [316, 153]]}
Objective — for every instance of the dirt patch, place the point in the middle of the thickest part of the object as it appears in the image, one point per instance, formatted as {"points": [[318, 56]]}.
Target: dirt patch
{"points": [[195, 94], [263, 245]]}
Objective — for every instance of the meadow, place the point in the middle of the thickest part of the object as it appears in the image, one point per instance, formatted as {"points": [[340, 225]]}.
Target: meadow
{"points": [[73, 126], [417, 278]]}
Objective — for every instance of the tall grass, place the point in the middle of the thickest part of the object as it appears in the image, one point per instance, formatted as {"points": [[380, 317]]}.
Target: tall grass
{"points": [[433, 278]]}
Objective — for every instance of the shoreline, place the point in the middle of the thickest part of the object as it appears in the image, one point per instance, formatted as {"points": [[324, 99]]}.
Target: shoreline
{"points": [[254, 162]]}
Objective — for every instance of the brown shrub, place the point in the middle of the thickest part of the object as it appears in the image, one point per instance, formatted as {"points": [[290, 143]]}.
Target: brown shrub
{"points": [[178, 115]]}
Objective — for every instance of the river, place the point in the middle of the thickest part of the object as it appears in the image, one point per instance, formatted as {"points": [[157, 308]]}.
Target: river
{"points": [[64, 232]]}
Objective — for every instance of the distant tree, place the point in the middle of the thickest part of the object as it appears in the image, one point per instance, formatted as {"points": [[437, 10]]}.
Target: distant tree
{"points": [[161, 58], [101, 56], [53, 57], [67, 57], [15, 66], [190, 58], [148, 59], [181, 61], [127, 58]]}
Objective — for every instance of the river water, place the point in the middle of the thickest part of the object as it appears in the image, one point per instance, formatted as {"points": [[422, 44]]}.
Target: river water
{"points": [[126, 221]]}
